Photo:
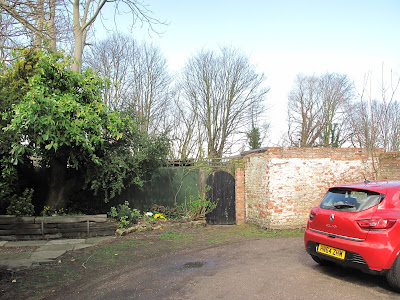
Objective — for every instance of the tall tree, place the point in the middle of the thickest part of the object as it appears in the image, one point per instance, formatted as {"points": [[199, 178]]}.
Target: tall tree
{"points": [[336, 91], [316, 110], [86, 12], [375, 120], [186, 136], [113, 57], [63, 120], [36, 17], [44, 20], [139, 80], [151, 85], [221, 88]]}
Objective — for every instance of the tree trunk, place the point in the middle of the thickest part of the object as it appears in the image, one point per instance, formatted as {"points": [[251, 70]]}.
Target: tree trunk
{"points": [[78, 36], [59, 186], [40, 19], [78, 51], [51, 25]]}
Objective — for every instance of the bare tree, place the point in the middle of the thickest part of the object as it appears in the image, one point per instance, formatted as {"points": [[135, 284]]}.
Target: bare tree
{"points": [[139, 80], [186, 136], [363, 118], [86, 12], [304, 112], [151, 88], [259, 128], [45, 20], [315, 110], [8, 36], [35, 18], [221, 88], [375, 122], [336, 91], [113, 58]]}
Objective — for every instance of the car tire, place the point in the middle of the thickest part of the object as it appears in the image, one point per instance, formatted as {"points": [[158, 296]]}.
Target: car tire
{"points": [[321, 261], [393, 276]]}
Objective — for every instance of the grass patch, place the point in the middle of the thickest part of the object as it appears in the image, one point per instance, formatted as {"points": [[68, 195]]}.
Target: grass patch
{"points": [[285, 232], [175, 236]]}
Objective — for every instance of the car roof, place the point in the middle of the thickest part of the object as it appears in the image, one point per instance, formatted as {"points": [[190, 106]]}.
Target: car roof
{"points": [[380, 186]]}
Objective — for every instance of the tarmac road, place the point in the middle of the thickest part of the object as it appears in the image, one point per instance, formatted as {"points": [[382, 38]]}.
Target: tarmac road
{"points": [[267, 268]]}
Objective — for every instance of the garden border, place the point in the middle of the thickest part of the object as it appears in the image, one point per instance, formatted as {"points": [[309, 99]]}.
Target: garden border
{"points": [[38, 228]]}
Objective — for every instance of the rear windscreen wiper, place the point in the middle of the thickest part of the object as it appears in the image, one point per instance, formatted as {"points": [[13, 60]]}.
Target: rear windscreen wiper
{"points": [[343, 205]]}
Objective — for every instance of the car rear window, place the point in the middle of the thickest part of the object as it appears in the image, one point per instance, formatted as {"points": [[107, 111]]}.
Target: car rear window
{"points": [[350, 199]]}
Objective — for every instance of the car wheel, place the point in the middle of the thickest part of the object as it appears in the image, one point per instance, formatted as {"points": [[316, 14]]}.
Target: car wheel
{"points": [[393, 276], [321, 261]]}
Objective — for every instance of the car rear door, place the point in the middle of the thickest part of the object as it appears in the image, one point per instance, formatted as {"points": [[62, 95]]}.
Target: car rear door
{"points": [[341, 224], [339, 212]]}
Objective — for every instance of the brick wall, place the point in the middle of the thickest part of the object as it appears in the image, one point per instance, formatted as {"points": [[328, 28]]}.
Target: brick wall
{"points": [[281, 185], [389, 165], [239, 196]]}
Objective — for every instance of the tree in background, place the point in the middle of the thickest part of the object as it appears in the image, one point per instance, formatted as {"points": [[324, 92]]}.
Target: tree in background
{"points": [[113, 57], [139, 80], [186, 136], [45, 21], [34, 23], [8, 34], [221, 88], [316, 109], [375, 122], [254, 138], [62, 119]]}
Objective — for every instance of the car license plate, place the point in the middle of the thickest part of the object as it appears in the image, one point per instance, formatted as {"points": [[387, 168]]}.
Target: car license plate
{"points": [[338, 253]]}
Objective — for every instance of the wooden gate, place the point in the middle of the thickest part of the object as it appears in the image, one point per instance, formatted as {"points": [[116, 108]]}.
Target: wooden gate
{"points": [[222, 191]]}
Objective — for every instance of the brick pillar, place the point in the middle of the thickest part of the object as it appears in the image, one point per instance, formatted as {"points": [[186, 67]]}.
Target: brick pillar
{"points": [[239, 195]]}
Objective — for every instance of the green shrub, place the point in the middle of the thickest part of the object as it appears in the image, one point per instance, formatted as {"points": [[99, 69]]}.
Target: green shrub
{"points": [[197, 209], [124, 215], [21, 206]]}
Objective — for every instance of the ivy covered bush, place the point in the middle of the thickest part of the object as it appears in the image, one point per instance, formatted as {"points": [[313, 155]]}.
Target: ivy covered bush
{"points": [[61, 117]]}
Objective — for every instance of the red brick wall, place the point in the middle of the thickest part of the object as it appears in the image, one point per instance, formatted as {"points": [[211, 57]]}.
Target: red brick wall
{"points": [[389, 165], [239, 195], [281, 185]]}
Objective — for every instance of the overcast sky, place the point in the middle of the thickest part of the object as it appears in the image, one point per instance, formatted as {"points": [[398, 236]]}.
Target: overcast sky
{"points": [[284, 38]]}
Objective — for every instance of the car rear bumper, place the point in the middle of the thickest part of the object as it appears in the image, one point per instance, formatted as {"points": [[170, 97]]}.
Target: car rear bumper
{"points": [[368, 256], [352, 259]]}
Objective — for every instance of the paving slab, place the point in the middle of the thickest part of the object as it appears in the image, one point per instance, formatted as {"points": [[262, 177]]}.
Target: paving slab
{"points": [[25, 243], [45, 256], [14, 260], [18, 264], [66, 241], [47, 252], [56, 247], [14, 255]]}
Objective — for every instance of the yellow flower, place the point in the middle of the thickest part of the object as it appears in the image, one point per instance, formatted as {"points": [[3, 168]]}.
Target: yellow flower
{"points": [[159, 216]]}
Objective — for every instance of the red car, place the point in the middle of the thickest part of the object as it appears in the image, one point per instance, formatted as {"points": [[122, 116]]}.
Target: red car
{"points": [[358, 225]]}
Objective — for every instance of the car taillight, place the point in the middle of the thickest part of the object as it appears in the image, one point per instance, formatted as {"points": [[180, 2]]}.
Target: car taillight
{"points": [[376, 224], [312, 215]]}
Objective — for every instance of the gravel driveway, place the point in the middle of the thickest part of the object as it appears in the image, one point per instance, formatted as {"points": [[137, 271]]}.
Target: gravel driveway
{"points": [[265, 268]]}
